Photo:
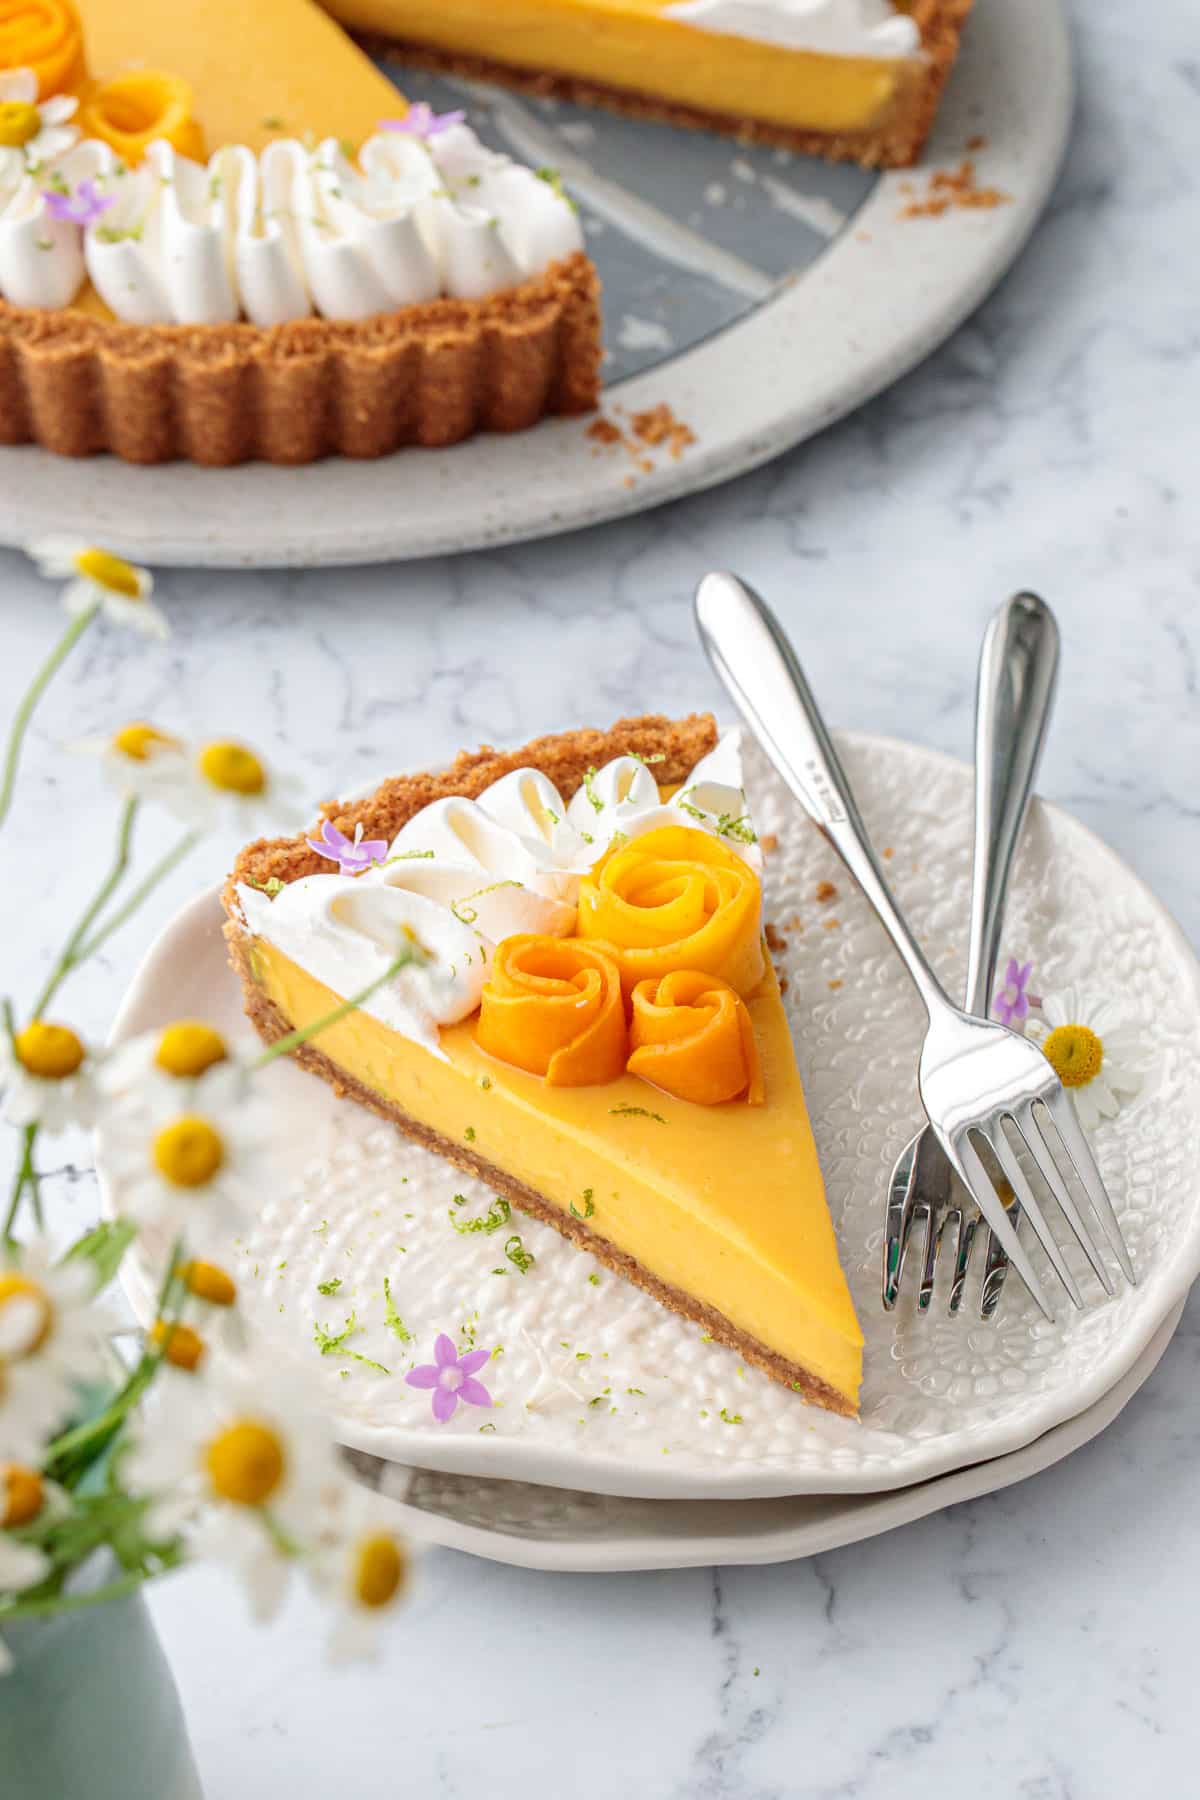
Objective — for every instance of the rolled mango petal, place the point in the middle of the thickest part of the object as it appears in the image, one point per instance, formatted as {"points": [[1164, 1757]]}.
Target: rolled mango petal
{"points": [[45, 36], [553, 1006], [676, 899], [134, 109], [692, 1036]]}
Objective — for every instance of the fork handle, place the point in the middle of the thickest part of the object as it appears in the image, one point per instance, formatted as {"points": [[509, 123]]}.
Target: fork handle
{"points": [[758, 666], [1018, 673]]}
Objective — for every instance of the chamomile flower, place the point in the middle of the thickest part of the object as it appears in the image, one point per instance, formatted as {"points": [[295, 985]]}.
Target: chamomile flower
{"points": [[186, 1063], [185, 1165], [1096, 1054], [227, 783], [361, 1565], [138, 759], [97, 578], [24, 1498], [47, 1077], [39, 132], [50, 1331], [246, 1466]]}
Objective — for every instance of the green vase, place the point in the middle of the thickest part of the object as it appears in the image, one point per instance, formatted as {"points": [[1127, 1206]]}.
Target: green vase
{"points": [[90, 1710]]}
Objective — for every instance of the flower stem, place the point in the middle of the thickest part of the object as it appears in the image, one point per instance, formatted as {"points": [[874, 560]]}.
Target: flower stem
{"points": [[412, 953], [61, 1603], [28, 705], [26, 1177], [141, 892], [73, 952]]}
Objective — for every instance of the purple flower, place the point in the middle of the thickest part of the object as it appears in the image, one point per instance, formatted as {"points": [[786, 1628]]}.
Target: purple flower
{"points": [[452, 1378], [351, 855], [83, 207], [420, 121], [1012, 1002]]}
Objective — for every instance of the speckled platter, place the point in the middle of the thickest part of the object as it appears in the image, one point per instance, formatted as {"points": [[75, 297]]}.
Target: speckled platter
{"points": [[600, 1389], [759, 295]]}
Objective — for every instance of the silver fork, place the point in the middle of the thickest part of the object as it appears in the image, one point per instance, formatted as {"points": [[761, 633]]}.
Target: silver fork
{"points": [[1018, 668], [977, 1079]]}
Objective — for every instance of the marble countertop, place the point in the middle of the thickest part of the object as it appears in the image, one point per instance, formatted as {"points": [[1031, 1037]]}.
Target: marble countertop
{"points": [[1033, 1644]]}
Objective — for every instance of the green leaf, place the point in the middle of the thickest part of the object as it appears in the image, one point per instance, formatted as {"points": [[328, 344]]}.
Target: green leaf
{"points": [[104, 1247]]}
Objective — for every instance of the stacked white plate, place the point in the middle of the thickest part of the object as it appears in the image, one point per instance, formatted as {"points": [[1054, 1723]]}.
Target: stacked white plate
{"points": [[619, 1438]]}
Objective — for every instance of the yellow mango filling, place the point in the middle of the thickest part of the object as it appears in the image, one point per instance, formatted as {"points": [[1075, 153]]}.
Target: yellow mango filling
{"points": [[633, 45], [724, 1202]]}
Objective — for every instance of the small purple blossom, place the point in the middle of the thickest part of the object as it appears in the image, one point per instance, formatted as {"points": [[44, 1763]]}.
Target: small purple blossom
{"points": [[452, 1378], [1013, 1001], [352, 855], [83, 207], [420, 121]]}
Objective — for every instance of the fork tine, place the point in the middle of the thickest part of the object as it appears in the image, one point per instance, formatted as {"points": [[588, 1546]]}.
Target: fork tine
{"points": [[967, 1228], [1014, 1174], [933, 1242], [1029, 1126], [995, 1267], [1062, 1112], [898, 1224], [964, 1160]]}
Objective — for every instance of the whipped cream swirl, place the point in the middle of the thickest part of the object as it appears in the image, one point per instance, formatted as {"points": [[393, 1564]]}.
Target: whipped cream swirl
{"points": [[463, 875], [285, 234], [837, 27]]}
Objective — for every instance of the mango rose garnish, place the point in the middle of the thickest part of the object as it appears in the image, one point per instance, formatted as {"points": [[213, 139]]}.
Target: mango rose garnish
{"points": [[553, 1006], [45, 36], [132, 110], [693, 1037], [673, 899]]}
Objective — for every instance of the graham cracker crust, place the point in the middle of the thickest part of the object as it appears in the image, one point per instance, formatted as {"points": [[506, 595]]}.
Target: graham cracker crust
{"points": [[223, 394], [565, 757], [896, 145]]}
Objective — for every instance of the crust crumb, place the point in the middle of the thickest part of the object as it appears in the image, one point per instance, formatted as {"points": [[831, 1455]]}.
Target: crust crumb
{"points": [[768, 842], [954, 188], [775, 938], [826, 890]]}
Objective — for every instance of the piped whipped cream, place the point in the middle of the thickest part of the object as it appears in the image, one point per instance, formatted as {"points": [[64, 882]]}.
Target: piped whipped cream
{"points": [[836, 27], [463, 875], [284, 234]]}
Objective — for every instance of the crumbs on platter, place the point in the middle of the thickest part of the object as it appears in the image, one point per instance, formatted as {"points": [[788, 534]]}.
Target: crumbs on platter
{"points": [[656, 428], [951, 188]]}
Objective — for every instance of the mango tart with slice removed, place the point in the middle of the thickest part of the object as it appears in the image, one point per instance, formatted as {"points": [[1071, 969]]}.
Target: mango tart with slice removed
{"points": [[637, 1051], [228, 244]]}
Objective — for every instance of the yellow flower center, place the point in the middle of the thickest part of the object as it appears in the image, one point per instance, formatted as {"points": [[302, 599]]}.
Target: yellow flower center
{"points": [[188, 1152], [209, 1282], [232, 768], [1075, 1054], [380, 1571], [109, 571], [189, 1047], [245, 1463], [19, 122], [139, 741], [21, 1495], [28, 1299], [179, 1344], [51, 1051]]}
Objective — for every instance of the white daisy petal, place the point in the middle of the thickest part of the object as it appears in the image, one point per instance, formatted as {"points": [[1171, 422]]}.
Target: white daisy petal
{"points": [[53, 1337], [1120, 1074], [20, 85]]}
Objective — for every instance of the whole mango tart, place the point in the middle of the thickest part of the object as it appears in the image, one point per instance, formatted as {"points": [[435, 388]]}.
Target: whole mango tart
{"points": [[856, 80], [558, 960], [237, 240]]}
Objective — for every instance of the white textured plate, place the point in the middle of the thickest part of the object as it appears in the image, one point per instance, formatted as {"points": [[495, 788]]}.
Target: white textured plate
{"points": [[568, 1532], [878, 300], [597, 1386]]}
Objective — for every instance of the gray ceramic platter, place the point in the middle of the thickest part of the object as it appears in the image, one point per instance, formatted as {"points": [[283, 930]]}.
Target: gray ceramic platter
{"points": [[759, 295]]}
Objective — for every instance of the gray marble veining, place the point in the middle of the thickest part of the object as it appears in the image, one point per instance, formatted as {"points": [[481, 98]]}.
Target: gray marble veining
{"points": [[1038, 1644]]}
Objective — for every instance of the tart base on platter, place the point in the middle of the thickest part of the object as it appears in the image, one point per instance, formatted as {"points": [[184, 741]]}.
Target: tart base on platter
{"points": [[432, 375], [896, 144]]}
